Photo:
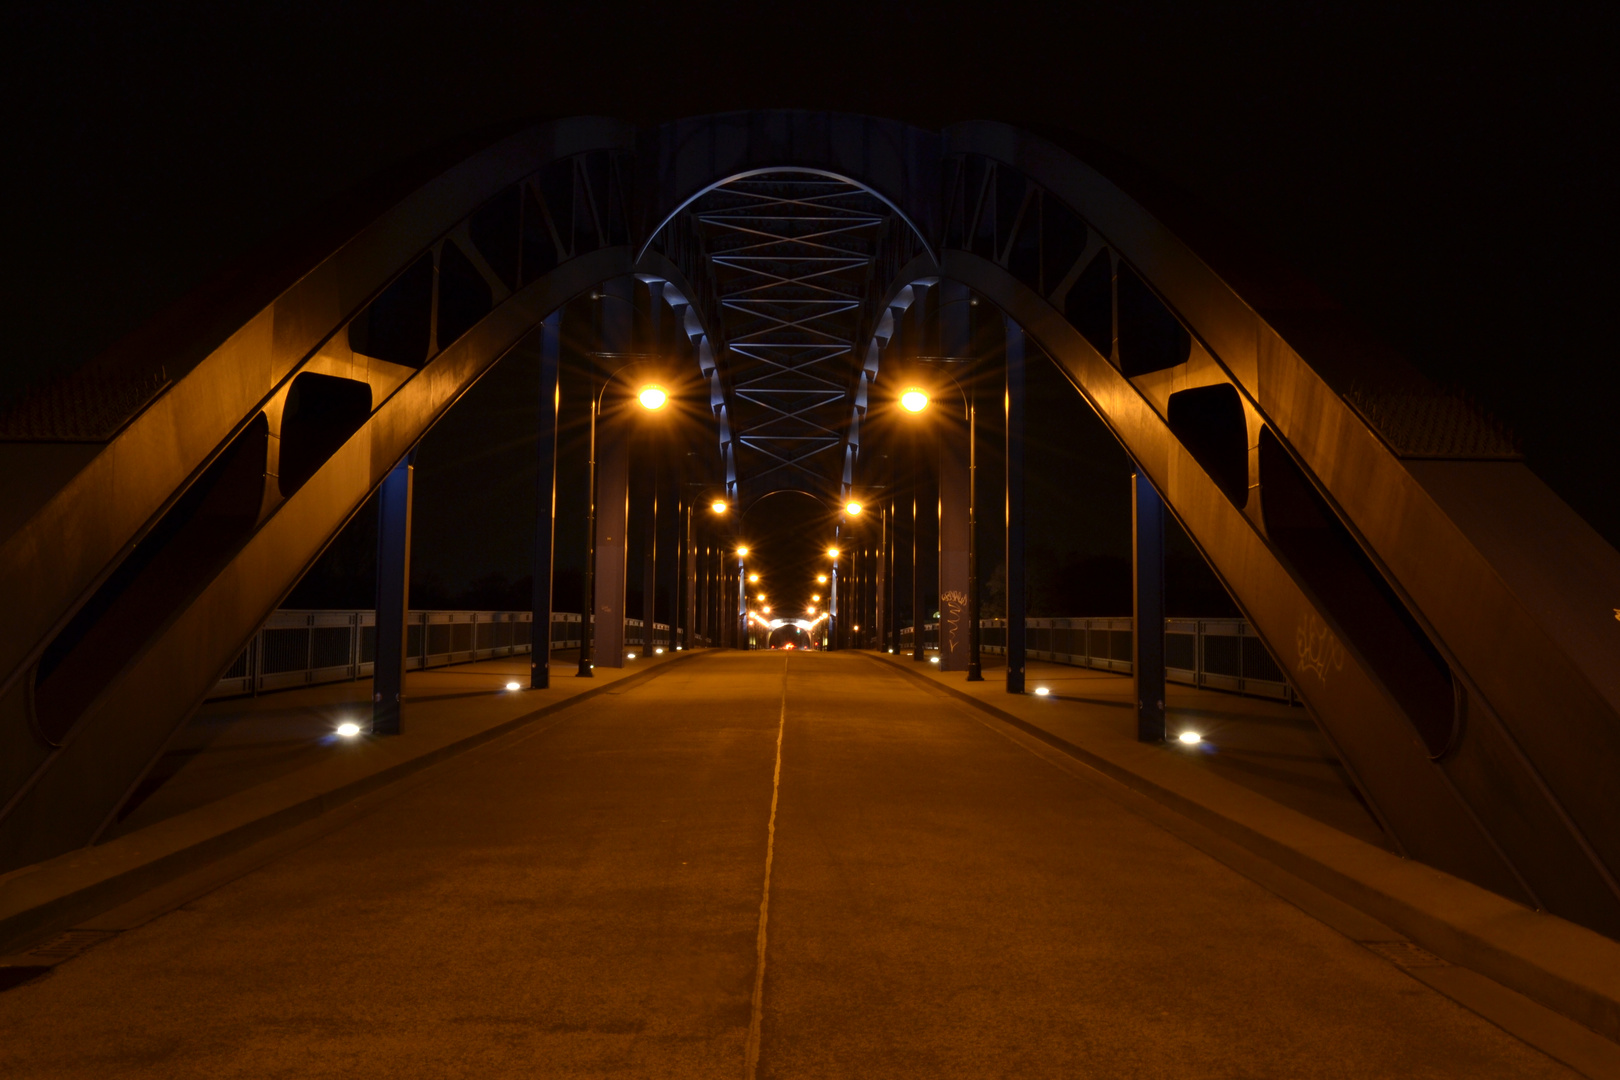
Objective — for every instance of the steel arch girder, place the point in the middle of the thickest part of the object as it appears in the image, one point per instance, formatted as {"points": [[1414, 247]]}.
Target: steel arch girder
{"points": [[1378, 745], [123, 731], [67, 546], [1465, 543]]}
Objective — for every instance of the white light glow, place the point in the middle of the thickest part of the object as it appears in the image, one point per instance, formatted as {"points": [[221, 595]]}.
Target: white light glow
{"points": [[348, 729], [658, 651], [1041, 691], [630, 656], [513, 686], [933, 659], [1190, 737]]}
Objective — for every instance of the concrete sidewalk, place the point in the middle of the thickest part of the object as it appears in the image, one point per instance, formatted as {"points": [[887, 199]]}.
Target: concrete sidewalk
{"points": [[1566, 968], [246, 769]]}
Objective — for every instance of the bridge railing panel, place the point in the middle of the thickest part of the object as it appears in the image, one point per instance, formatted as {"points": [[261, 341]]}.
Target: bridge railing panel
{"points": [[1220, 654], [307, 648]]}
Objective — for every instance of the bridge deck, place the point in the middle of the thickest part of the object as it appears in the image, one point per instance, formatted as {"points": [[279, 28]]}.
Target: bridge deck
{"points": [[584, 897]]}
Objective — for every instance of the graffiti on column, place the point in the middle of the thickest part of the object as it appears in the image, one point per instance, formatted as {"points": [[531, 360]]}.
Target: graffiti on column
{"points": [[953, 616], [1319, 651]]}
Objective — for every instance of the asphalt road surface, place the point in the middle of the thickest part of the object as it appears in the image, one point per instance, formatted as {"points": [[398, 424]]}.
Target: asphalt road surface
{"points": [[585, 899]]}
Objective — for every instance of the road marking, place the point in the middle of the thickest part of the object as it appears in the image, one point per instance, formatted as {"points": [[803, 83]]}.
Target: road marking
{"points": [[757, 1014]]}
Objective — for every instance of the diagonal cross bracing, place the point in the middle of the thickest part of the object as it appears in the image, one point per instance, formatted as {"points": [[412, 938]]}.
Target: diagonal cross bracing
{"points": [[791, 255]]}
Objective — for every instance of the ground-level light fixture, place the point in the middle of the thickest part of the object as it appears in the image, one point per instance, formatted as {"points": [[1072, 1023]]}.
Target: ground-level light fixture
{"points": [[660, 652], [348, 729], [629, 656], [914, 399], [513, 686], [933, 659], [852, 507], [1190, 737], [652, 397], [1041, 691]]}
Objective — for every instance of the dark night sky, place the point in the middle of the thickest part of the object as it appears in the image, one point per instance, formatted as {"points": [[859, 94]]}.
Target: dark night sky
{"points": [[1442, 170]]}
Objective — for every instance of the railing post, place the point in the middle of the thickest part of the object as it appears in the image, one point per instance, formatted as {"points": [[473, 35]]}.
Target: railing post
{"points": [[393, 598], [1147, 573]]}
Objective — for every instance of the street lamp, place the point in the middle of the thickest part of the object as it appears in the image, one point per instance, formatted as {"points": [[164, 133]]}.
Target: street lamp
{"points": [[852, 508], [914, 400], [651, 397], [753, 579]]}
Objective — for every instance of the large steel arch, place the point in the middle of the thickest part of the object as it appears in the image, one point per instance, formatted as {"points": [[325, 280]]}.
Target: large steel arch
{"points": [[1445, 617], [1436, 606], [141, 575]]}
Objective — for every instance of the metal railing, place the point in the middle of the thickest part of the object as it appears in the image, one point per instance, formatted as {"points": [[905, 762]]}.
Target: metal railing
{"points": [[306, 648], [1221, 654]]}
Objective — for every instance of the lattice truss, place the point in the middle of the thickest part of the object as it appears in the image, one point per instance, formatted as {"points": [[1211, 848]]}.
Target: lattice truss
{"points": [[792, 256]]}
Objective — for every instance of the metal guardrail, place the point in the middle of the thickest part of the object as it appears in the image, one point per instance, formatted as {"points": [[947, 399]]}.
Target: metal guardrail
{"points": [[1221, 654], [307, 648]]}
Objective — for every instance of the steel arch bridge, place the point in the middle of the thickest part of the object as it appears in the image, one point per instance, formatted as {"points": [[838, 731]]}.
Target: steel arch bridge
{"points": [[1448, 621]]}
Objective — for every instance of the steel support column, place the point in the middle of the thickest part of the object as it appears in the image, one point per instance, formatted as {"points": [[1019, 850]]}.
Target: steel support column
{"points": [[880, 581], [649, 564], [545, 526], [393, 598], [1014, 403], [612, 521], [615, 318], [954, 496], [1147, 608]]}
